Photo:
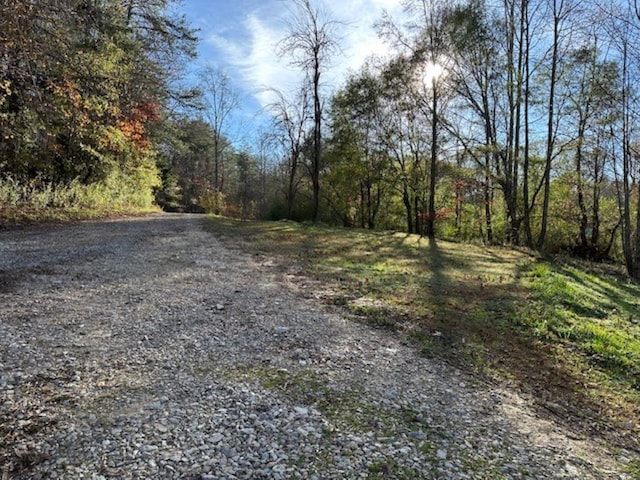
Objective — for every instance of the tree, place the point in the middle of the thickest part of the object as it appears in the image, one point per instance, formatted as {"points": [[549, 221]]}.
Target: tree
{"points": [[402, 139], [187, 152], [624, 30], [248, 180], [476, 74], [591, 87], [430, 52], [560, 11], [311, 42], [357, 166], [220, 100], [83, 87], [424, 45], [290, 118]]}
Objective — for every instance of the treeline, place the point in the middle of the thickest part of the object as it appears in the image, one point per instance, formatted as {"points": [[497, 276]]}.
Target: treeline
{"points": [[509, 121], [505, 121], [84, 88]]}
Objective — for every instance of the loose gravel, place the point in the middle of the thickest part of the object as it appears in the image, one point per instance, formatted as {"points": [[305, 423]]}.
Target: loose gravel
{"points": [[145, 349]]}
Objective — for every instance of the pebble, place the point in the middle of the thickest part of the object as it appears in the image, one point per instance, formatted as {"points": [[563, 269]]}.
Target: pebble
{"points": [[279, 390]]}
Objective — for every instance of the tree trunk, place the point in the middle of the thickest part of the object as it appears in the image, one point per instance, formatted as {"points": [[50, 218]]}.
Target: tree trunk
{"points": [[550, 130], [525, 167], [584, 219], [317, 139], [431, 213], [406, 200]]}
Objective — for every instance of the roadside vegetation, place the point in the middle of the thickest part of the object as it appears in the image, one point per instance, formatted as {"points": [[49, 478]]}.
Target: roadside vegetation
{"points": [[563, 332], [37, 201]]}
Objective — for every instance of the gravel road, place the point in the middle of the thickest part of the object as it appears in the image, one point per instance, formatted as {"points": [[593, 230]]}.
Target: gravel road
{"points": [[146, 349]]}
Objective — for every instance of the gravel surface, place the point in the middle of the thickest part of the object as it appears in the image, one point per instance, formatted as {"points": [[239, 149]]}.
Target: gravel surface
{"points": [[144, 348]]}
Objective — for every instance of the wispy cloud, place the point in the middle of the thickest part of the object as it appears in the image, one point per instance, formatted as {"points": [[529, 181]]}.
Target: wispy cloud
{"points": [[247, 49], [263, 68], [250, 56]]}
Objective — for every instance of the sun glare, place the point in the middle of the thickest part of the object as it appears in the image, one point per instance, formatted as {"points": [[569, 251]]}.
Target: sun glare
{"points": [[432, 71]]}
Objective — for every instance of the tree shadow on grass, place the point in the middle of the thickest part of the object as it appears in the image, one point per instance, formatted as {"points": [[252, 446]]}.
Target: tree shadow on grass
{"points": [[460, 303], [472, 319]]}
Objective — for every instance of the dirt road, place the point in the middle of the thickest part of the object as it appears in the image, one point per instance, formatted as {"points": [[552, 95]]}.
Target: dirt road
{"points": [[144, 348]]}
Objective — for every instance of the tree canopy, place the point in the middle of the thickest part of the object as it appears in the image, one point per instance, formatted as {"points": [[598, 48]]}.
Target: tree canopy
{"points": [[84, 83]]}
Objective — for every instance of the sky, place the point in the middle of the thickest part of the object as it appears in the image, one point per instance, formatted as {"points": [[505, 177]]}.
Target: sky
{"points": [[240, 37]]}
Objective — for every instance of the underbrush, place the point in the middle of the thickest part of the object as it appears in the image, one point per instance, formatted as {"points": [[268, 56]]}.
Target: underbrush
{"points": [[567, 335], [36, 200]]}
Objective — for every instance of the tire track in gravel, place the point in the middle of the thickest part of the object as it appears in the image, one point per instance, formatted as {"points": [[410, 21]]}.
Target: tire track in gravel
{"points": [[143, 348]]}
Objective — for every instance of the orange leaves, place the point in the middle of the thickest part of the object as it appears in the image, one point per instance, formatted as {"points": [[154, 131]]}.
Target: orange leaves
{"points": [[133, 127]]}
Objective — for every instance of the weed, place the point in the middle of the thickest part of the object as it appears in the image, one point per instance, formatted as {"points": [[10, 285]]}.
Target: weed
{"points": [[38, 200]]}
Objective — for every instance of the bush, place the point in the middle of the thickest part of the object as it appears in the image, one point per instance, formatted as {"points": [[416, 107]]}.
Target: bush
{"points": [[212, 202], [119, 192]]}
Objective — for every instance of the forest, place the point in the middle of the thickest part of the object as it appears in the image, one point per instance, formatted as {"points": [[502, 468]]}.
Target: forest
{"points": [[494, 121]]}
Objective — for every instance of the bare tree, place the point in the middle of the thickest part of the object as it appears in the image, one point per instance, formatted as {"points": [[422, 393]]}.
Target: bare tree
{"points": [[560, 11], [311, 42], [291, 117], [220, 100]]}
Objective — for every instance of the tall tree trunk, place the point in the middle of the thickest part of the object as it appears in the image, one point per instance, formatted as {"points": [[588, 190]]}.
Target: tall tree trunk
{"points": [[550, 129], [510, 157], [595, 211], [433, 165], [406, 200], [526, 164], [627, 246], [487, 208], [317, 140]]}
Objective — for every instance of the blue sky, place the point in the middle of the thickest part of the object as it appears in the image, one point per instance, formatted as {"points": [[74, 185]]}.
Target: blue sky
{"points": [[240, 36]]}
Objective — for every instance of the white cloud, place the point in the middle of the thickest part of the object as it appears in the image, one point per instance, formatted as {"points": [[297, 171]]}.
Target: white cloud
{"points": [[250, 57], [229, 47], [247, 47], [263, 68]]}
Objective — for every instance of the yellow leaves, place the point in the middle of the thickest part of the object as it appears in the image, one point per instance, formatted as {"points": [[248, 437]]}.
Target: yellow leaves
{"points": [[5, 91]]}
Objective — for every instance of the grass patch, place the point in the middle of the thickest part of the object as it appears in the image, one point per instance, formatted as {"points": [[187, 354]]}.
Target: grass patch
{"points": [[37, 201], [347, 412], [565, 334], [595, 314]]}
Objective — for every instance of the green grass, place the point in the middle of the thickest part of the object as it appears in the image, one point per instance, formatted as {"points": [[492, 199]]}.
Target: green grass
{"points": [[36, 201], [595, 316], [567, 335]]}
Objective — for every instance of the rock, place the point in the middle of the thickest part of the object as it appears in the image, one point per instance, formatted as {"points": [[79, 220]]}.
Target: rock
{"points": [[229, 452], [301, 411], [281, 389]]}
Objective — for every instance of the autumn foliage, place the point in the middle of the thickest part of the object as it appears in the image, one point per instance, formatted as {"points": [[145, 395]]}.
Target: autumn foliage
{"points": [[83, 89]]}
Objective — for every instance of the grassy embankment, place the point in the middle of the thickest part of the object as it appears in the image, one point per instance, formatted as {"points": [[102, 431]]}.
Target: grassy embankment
{"points": [[566, 334], [39, 202]]}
